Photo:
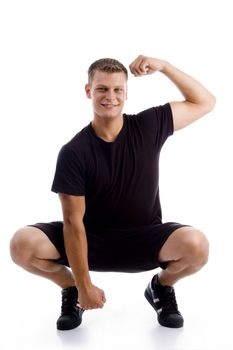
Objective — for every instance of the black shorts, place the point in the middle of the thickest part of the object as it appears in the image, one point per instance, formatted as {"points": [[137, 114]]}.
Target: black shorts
{"points": [[117, 251]]}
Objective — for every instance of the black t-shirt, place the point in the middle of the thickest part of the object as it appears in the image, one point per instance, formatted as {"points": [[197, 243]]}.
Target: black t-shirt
{"points": [[120, 179]]}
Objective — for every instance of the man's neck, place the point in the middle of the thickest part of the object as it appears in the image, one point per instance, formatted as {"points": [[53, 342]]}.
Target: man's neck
{"points": [[107, 129]]}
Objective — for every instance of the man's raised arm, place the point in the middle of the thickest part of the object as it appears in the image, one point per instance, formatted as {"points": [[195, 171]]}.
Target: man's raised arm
{"points": [[198, 100]]}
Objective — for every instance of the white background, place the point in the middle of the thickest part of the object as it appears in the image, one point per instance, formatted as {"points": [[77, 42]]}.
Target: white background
{"points": [[46, 48]]}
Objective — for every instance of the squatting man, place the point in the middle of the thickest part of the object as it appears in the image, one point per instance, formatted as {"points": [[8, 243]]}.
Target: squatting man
{"points": [[107, 181]]}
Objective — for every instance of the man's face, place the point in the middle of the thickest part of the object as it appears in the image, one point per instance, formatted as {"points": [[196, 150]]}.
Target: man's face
{"points": [[108, 92]]}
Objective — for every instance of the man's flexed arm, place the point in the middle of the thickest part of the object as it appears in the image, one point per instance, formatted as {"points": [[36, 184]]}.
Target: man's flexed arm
{"points": [[198, 100], [90, 297]]}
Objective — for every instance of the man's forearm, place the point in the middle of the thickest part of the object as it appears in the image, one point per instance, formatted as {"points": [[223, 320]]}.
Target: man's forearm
{"points": [[191, 89], [77, 253], [89, 296]]}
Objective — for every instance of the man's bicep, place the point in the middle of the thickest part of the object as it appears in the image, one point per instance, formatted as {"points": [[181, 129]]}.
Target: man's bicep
{"points": [[185, 113], [73, 207]]}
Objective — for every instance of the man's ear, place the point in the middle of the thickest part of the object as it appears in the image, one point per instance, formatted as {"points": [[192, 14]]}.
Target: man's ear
{"points": [[88, 90]]}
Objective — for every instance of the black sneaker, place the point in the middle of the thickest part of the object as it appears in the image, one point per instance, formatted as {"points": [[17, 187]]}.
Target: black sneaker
{"points": [[163, 300], [71, 314]]}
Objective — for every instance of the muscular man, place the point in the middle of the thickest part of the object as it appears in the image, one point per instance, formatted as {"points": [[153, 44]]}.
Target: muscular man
{"points": [[107, 180]]}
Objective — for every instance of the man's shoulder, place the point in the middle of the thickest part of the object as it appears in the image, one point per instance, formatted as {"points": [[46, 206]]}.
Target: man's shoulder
{"points": [[77, 146], [79, 139]]}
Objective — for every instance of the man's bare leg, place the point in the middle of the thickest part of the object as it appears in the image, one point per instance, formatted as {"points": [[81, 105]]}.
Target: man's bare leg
{"points": [[32, 250], [186, 252]]}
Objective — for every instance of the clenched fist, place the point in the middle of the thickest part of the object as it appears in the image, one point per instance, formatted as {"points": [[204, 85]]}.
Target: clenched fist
{"points": [[91, 297], [143, 65]]}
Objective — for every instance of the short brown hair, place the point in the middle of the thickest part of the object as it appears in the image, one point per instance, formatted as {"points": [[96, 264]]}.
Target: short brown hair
{"points": [[109, 65]]}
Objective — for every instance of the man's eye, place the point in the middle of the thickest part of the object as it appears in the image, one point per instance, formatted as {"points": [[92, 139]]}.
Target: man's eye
{"points": [[118, 90], [101, 89]]}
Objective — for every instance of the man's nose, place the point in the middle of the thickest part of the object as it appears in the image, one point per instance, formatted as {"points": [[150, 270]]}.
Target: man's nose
{"points": [[110, 95]]}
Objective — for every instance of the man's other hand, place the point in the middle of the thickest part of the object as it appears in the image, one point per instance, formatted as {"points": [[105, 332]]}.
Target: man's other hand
{"points": [[91, 297]]}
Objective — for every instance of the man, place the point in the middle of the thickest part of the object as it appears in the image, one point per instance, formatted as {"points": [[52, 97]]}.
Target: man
{"points": [[107, 181]]}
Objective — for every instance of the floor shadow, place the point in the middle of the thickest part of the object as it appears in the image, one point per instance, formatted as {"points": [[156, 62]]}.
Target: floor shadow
{"points": [[74, 337], [166, 338]]}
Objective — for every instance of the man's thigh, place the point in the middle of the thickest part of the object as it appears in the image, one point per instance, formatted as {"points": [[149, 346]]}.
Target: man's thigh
{"points": [[33, 242], [181, 242]]}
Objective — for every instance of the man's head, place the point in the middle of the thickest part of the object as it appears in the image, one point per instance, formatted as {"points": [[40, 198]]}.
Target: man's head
{"points": [[107, 87]]}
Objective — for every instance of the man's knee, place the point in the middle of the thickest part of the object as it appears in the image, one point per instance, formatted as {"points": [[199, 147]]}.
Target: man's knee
{"points": [[21, 247], [196, 248]]}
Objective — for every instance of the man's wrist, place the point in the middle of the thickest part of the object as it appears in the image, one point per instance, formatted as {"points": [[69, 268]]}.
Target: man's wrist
{"points": [[164, 66], [84, 283]]}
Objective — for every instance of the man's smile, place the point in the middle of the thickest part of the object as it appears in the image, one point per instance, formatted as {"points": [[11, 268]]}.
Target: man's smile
{"points": [[108, 105]]}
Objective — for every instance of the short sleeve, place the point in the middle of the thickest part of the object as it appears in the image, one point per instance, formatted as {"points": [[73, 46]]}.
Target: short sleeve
{"points": [[157, 123], [69, 175]]}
